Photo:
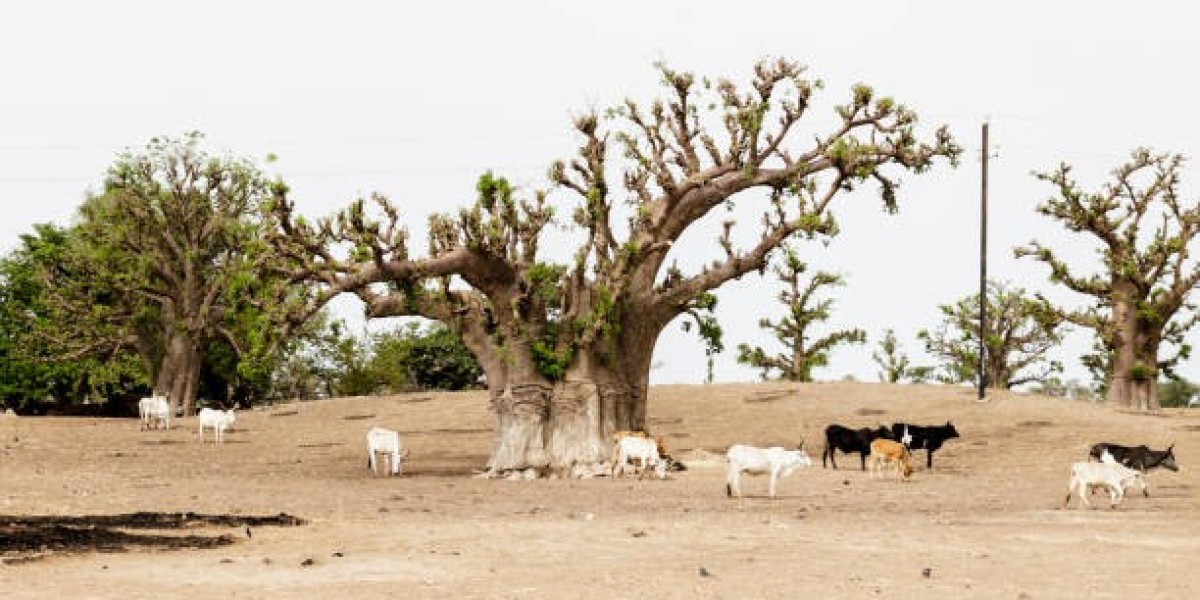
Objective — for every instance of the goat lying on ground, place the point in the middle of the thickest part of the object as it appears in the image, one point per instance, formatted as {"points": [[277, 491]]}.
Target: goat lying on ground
{"points": [[774, 461], [1115, 477], [386, 441], [1141, 457], [154, 412], [884, 452], [643, 450], [838, 437], [217, 420]]}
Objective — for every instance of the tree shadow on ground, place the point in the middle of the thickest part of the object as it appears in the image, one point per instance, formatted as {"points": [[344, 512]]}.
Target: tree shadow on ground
{"points": [[28, 538]]}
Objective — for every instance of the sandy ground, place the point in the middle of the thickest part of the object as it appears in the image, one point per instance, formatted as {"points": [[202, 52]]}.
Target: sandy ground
{"points": [[984, 523]]}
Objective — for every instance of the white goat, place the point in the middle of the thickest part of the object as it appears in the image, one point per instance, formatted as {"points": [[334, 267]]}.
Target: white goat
{"points": [[155, 412], [1115, 477], [387, 442], [643, 450], [9, 419], [217, 420], [775, 461]]}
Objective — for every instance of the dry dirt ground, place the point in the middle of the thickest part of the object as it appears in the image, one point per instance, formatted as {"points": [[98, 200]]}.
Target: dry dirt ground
{"points": [[984, 523]]}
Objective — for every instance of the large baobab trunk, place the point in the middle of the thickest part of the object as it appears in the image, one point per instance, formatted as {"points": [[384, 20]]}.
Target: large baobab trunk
{"points": [[1134, 380], [179, 375], [590, 403], [520, 403], [521, 411]]}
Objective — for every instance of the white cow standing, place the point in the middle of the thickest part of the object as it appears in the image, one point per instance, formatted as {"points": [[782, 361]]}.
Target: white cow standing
{"points": [[385, 441], [217, 420], [155, 412], [774, 461]]}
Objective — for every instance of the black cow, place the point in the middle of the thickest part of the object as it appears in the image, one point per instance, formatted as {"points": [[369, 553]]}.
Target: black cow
{"points": [[930, 438], [849, 440], [1141, 457]]}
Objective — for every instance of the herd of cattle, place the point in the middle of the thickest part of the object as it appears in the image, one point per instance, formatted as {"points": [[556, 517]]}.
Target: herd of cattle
{"points": [[1111, 467], [1117, 468]]}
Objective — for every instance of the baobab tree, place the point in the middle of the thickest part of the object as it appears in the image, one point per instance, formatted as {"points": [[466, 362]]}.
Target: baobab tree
{"points": [[1021, 331], [1140, 298], [794, 330], [567, 347], [158, 260]]}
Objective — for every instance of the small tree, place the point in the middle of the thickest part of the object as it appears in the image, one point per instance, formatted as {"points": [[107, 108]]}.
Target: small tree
{"points": [[1175, 392], [894, 364], [1071, 389], [1020, 332], [794, 329]]}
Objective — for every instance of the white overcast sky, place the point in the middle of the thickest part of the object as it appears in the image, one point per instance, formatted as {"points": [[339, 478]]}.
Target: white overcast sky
{"points": [[415, 100]]}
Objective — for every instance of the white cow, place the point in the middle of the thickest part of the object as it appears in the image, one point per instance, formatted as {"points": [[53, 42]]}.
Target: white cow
{"points": [[1117, 478], [774, 461], [155, 412], [217, 420], [640, 449], [387, 442]]}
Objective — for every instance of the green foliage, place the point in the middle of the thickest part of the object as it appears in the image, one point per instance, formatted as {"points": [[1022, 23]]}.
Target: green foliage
{"points": [[30, 373], [1142, 372], [1176, 392], [412, 358], [701, 314], [794, 331], [550, 363], [1070, 390], [895, 366], [545, 281], [166, 251], [1021, 332]]}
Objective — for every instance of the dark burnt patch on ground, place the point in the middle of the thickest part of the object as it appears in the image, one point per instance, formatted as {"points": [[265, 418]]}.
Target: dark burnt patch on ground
{"points": [[24, 538]]}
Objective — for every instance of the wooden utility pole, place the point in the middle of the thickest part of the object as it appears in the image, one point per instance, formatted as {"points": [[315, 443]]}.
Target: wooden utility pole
{"points": [[983, 266]]}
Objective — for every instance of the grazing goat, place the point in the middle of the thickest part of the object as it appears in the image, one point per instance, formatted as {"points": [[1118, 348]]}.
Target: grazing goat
{"points": [[885, 451], [849, 440], [641, 449], [386, 441], [930, 438], [1141, 457], [672, 464], [774, 461], [155, 412], [1116, 477], [217, 420]]}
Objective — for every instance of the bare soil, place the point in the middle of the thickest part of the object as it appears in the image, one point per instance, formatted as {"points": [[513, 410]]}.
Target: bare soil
{"points": [[286, 508]]}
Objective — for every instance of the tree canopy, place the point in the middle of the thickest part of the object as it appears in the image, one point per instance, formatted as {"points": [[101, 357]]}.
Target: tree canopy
{"points": [[1140, 304], [567, 346], [1020, 333], [161, 262]]}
